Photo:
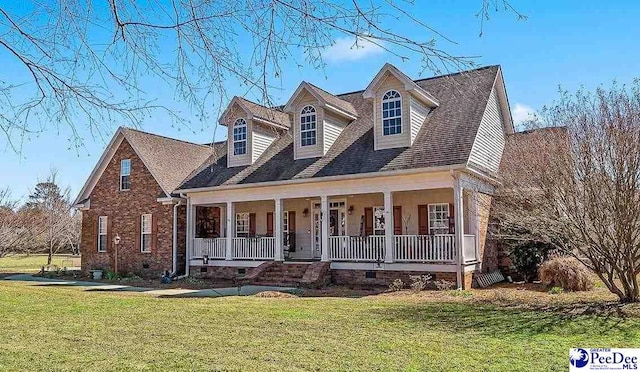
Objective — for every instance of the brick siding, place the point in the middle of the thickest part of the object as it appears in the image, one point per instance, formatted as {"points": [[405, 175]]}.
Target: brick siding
{"points": [[218, 272], [123, 209]]}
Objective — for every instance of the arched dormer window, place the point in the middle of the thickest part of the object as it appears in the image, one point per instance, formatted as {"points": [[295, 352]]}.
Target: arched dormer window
{"points": [[391, 113], [240, 137], [308, 126]]}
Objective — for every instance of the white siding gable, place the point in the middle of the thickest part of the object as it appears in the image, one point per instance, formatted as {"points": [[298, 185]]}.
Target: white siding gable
{"points": [[333, 126], [418, 114], [262, 139], [489, 143]]}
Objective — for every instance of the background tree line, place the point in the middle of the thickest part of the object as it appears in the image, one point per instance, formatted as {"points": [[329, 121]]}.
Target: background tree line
{"points": [[45, 223]]}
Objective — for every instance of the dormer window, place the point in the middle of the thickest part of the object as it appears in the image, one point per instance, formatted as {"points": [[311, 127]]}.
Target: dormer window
{"points": [[391, 113], [308, 126], [240, 137]]}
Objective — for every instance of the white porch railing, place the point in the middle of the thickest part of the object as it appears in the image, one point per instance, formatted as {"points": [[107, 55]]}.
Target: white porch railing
{"points": [[356, 248], [425, 248], [214, 248], [469, 248], [263, 248]]}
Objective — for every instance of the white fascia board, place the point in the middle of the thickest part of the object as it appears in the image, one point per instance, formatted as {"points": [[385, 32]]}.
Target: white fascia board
{"points": [[326, 179], [170, 200], [268, 122], [340, 112], [303, 86], [237, 100]]}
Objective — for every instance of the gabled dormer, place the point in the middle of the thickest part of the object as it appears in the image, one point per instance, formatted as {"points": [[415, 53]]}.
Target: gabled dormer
{"points": [[251, 128], [318, 119], [400, 107]]}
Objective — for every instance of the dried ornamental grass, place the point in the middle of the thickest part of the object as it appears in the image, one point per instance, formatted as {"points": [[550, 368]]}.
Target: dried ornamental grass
{"points": [[567, 273]]}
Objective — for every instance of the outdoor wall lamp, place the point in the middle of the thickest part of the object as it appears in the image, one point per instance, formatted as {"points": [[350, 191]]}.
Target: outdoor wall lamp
{"points": [[305, 212], [350, 210]]}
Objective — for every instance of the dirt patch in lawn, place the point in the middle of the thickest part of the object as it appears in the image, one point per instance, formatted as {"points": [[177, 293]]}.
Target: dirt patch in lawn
{"points": [[275, 294], [517, 296]]}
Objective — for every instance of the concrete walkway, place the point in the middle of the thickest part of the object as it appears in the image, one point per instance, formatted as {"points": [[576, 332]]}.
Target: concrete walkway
{"points": [[246, 290]]}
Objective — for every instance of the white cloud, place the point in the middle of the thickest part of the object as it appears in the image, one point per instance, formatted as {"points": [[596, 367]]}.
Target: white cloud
{"points": [[522, 113], [345, 49]]}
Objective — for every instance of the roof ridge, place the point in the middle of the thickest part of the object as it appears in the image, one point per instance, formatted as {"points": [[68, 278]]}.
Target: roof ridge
{"points": [[427, 78], [165, 137], [322, 89], [274, 108]]}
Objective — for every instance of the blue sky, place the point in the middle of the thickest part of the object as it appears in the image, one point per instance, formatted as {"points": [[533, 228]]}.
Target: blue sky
{"points": [[567, 43]]}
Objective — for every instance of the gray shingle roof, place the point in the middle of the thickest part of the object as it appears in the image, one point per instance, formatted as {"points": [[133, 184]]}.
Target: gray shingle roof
{"points": [[335, 101], [445, 138], [170, 161], [271, 114]]}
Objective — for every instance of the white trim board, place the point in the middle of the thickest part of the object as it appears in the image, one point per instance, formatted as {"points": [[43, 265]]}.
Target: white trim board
{"points": [[335, 188]]}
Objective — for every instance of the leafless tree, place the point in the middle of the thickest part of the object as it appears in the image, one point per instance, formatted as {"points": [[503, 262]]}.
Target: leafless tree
{"points": [[15, 226], [89, 62], [578, 187], [56, 224]]}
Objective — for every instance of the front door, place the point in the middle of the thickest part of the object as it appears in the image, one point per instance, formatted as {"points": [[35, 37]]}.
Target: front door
{"points": [[317, 232], [337, 224]]}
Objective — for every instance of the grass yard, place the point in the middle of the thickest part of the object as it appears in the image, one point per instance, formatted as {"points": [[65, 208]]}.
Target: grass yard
{"points": [[67, 328], [33, 263]]}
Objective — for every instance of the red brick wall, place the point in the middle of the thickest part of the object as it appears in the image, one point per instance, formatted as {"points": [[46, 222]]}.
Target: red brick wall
{"points": [[218, 272], [124, 208], [383, 278]]}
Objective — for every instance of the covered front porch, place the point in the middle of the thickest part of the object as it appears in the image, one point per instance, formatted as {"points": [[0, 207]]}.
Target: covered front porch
{"points": [[390, 228]]}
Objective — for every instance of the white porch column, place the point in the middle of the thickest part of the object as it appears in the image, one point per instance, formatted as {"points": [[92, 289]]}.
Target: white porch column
{"points": [[279, 254], [324, 207], [458, 196], [189, 237], [230, 231], [388, 227], [476, 222]]}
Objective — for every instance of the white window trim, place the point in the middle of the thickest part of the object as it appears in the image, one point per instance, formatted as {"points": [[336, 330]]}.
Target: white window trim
{"points": [[247, 218], [143, 233], [285, 226], [246, 136], [102, 234], [382, 118], [429, 217], [314, 113], [122, 175]]}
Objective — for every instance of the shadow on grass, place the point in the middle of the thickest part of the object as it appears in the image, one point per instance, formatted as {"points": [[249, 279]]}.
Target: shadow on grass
{"points": [[596, 319]]}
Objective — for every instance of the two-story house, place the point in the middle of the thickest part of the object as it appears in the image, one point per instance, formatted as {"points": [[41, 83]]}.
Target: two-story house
{"points": [[361, 187]]}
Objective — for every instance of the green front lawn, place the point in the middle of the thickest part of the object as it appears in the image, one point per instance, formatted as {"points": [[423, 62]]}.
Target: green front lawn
{"points": [[33, 263], [47, 328]]}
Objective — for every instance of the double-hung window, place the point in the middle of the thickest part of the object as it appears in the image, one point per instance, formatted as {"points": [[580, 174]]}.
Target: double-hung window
{"points": [[102, 234], [439, 218], [240, 137], [391, 113], [242, 225], [145, 233], [125, 174], [308, 126]]}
